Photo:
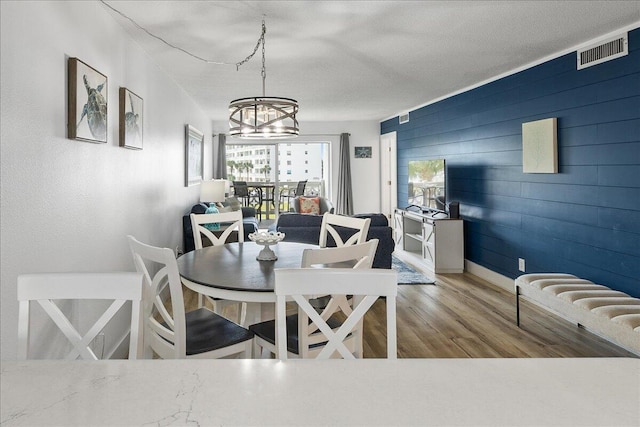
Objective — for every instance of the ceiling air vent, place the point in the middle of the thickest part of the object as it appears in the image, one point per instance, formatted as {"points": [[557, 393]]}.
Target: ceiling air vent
{"points": [[403, 118], [603, 51]]}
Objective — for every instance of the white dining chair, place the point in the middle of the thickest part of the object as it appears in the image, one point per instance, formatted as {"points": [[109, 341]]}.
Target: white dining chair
{"points": [[332, 223], [228, 222], [170, 331], [360, 256], [52, 291], [332, 340]]}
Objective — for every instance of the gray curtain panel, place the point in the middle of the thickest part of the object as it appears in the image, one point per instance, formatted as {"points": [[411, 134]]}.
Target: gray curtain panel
{"points": [[219, 158], [344, 202]]}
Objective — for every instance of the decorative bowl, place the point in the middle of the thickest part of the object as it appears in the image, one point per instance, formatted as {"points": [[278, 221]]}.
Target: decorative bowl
{"points": [[266, 238]]}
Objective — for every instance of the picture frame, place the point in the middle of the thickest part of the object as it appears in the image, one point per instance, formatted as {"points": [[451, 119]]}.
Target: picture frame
{"points": [[131, 119], [86, 102], [362, 152], [540, 146], [194, 156]]}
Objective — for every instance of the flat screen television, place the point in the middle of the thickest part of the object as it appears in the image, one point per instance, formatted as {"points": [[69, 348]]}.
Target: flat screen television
{"points": [[427, 184]]}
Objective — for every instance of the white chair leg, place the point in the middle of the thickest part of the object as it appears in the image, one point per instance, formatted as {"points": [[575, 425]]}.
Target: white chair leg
{"points": [[257, 349], [248, 349], [242, 314], [200, 300]]}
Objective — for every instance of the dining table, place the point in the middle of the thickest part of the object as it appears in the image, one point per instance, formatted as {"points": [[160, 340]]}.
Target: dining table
{"points": [[366, 392], [232, 272]]}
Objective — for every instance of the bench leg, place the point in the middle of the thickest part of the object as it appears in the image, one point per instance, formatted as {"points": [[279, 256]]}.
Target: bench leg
{"points": [[518, 306]]}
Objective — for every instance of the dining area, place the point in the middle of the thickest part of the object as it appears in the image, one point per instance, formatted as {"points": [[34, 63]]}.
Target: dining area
{"points": [[296, 345]]}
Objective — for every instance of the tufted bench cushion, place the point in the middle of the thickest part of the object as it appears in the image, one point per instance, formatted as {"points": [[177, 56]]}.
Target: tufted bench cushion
{"points": [[610, 314]]}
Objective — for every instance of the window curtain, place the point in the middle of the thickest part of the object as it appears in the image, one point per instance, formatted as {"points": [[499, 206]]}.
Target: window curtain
{"points": [[219, 162], [344, 202]]}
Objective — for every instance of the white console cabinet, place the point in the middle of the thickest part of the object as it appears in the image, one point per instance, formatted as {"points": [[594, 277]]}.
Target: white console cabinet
{"points": [[439, 242]]}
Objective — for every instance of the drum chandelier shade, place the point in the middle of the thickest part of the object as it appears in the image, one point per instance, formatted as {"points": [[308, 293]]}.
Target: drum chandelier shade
{"points": [[263, 116]]}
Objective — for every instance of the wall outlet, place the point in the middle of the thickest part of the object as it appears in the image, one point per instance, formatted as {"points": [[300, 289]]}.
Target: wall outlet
{"points": [[521, 264]]}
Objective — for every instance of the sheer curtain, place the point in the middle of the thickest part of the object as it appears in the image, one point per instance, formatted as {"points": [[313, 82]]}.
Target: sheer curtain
{"points": [[344, 202], [219, 161]]}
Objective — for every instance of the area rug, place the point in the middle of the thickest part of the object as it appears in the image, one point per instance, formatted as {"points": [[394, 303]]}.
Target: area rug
{"points": [[407, 275]]}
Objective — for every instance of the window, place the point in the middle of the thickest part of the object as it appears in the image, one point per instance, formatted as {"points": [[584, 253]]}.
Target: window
{"points": [[286, 163]]}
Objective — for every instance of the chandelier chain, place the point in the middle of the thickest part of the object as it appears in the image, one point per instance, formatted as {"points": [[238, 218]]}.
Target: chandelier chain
{"points": [[255, 49], [199, 58], [264, 67]]}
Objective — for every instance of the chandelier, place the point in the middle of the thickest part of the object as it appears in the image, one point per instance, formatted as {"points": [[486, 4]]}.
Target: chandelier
{"points": [[263, 116]]}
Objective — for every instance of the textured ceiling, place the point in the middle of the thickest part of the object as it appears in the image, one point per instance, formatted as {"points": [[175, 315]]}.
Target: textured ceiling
{"points": [[359, 60]]}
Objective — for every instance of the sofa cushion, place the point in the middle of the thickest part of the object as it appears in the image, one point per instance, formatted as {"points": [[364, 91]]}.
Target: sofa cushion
{"points": [[200, 208], [377, 219], [298, 220], [310, 205]]}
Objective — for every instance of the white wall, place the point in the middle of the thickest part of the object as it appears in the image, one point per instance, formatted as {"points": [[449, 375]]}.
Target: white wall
{"points": [[365, 173], [68, 205]]}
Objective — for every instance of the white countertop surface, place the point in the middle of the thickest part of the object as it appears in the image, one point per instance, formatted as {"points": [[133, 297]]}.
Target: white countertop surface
{"points": [[370, 392]]}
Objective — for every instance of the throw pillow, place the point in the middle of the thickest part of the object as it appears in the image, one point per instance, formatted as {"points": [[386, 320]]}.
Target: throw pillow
{"points": [[310, 205], [225, 209], [213, 225]]}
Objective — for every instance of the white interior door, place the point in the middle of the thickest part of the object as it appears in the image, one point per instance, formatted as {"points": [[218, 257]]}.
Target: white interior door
{"points": [[388, 174]]}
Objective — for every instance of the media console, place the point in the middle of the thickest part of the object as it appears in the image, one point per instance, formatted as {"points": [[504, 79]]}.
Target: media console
{"points": [[436, 240]]}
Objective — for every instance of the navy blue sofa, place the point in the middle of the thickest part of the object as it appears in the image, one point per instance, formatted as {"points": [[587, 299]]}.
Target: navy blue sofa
{"points": [[305, 228]]}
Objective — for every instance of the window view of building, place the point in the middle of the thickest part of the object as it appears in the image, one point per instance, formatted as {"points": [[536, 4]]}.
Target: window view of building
{"points": [[283, 164]]}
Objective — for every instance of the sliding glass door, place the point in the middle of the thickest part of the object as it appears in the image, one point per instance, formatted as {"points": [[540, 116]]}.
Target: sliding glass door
{"points": [[281, 164]]}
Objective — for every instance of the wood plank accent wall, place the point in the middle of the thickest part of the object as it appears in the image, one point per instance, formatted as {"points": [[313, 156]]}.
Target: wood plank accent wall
{"points": [[584, 220]]}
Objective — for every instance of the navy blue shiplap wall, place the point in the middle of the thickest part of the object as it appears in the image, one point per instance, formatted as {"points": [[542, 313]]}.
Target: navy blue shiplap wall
{"points": [[584, 220]]}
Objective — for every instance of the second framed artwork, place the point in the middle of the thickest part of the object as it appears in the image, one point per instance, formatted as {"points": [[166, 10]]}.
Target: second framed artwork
{"points": [[131, 116], [194, 156]]}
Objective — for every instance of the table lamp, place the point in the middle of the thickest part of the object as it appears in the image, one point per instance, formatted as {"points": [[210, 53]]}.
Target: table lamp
{"points": [[213, 191]]}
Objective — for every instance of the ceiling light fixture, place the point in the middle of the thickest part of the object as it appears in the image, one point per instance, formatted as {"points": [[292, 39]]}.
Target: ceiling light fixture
{"points": [[262, 116]]}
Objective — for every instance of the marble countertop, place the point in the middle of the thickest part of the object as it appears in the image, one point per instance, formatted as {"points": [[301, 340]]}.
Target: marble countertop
{"points": [[370, 392]]}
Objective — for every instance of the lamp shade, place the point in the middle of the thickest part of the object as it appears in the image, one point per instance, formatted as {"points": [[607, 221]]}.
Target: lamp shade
{"points": [[213, 191]]}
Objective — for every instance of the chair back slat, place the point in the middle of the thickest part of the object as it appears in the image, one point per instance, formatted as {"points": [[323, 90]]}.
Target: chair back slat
{"points": [[45, 288], [229, 220], [366, 286], [361, 254], [331, 221], [168, 339]]}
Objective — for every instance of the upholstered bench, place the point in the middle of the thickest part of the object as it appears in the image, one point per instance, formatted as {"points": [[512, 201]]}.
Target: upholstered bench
{"points": [[610, 314]]}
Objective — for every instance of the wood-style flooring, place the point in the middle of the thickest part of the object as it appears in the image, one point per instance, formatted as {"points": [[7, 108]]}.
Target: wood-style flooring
{"points": [[466, 316]]}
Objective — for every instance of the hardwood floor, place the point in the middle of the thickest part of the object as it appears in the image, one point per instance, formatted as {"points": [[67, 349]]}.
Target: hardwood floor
{"points": [[466, 316]]}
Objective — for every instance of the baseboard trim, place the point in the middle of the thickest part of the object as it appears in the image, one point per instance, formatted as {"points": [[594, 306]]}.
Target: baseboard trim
{"points": [[491, 276]]}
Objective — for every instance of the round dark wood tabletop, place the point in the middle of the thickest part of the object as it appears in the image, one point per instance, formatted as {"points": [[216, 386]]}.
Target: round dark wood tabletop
{"points": [[234, 266]]}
